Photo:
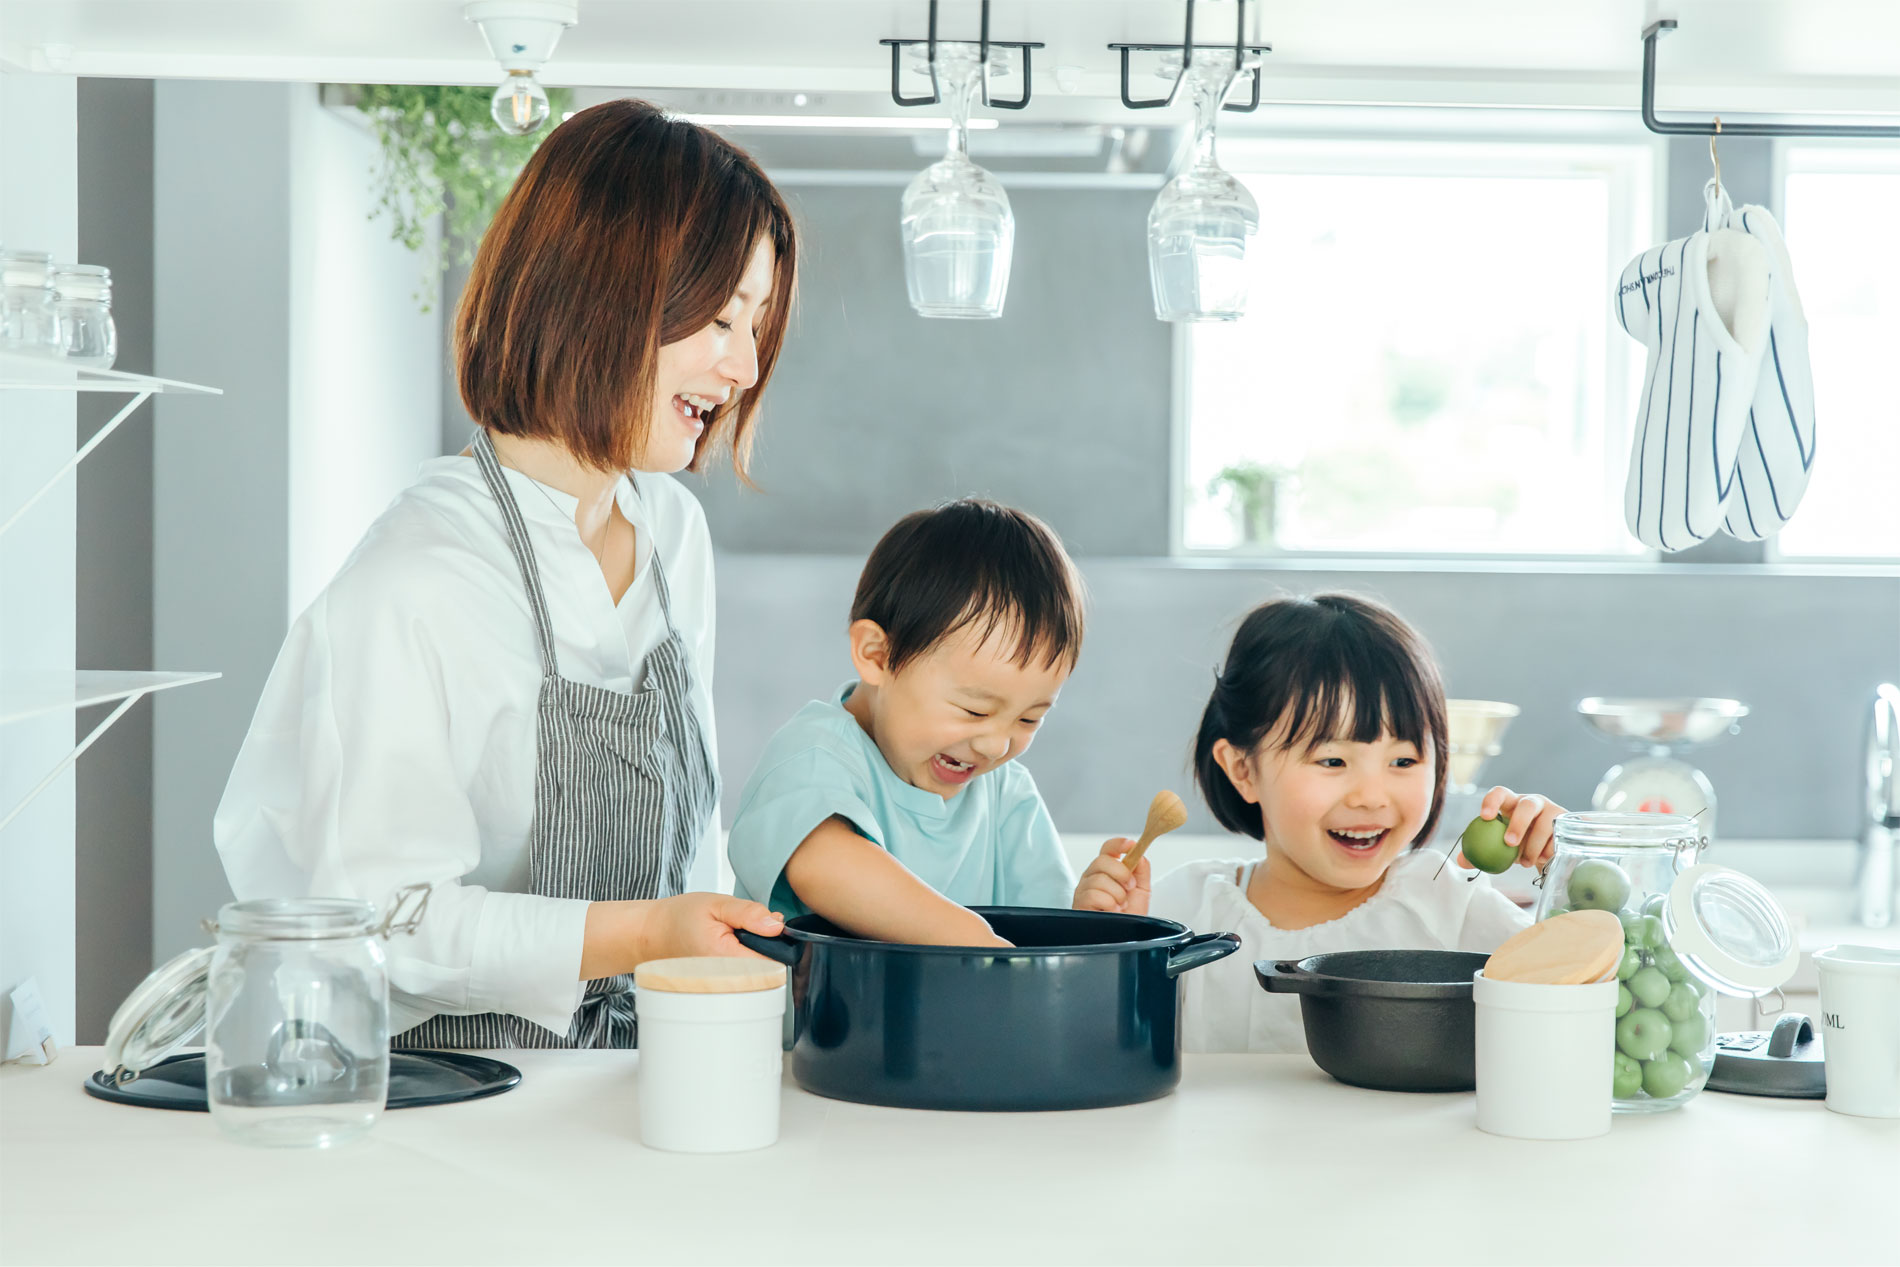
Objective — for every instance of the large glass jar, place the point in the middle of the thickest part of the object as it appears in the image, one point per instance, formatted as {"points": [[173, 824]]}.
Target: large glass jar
{"points": [[1665, 1017], [27, 322], [1689, 931], [82, 307], [297, 1022]]}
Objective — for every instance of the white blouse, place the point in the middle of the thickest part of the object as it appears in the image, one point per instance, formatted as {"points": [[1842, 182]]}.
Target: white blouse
{"points": [[1225, 1007], [395, 739]]}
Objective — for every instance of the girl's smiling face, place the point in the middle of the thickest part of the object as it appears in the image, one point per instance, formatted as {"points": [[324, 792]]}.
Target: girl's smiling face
{"points": [[700, 374], [1339, 811]]}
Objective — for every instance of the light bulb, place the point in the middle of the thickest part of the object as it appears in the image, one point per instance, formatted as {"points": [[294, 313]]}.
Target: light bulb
{"points": [[520, 105]]}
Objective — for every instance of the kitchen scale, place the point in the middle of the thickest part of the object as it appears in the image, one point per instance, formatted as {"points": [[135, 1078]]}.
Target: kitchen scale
{"points": [[1660, 781]]}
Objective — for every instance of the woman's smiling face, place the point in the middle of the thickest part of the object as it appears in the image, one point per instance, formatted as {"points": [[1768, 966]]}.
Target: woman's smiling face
{"points": [[704, 371], [1340, 811]]}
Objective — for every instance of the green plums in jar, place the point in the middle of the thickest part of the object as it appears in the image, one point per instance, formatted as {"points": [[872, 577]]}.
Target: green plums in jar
{"points": [[1666, 1075], [1598, 886], [1628, 1078], [1688, 1035], [1644, 1034], [1624, 1001], [1682, 1003], [1650, 987]]}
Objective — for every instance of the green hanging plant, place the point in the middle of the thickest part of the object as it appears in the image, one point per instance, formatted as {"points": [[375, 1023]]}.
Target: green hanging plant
{"points": [[443, 156]]}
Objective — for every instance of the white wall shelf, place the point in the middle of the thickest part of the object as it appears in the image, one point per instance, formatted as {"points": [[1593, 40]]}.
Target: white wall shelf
{"points": [[33, 373], [29, 695]]}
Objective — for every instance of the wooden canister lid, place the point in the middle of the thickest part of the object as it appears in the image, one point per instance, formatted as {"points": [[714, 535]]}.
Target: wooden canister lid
{"points": [[1575, 948], [712, 974]]}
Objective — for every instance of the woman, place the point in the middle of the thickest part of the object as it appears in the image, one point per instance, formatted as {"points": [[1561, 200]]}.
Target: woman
{"points": [[505, 692]]}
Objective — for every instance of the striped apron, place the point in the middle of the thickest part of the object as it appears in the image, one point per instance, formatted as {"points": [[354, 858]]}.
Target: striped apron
{"points": [[623, 788]]}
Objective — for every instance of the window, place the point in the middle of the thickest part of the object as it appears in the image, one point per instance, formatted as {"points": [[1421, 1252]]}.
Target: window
{"points": [[1838, 203], [1428, 363]]}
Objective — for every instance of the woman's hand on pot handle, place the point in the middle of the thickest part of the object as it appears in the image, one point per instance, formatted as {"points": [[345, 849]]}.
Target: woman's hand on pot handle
{"points": [[622, 935], [1108, 884]]}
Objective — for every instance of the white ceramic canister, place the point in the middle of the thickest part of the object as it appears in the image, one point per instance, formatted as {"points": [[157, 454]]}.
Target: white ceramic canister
{"points": [[711, 1058], [1540, 1066], [1860, 1017]]}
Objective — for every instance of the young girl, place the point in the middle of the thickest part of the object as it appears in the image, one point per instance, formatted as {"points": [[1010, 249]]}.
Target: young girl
{"points": [[1324, 739]]}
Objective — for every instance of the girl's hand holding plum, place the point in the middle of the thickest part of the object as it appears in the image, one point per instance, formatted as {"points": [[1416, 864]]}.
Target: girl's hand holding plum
{"points": [[1530, 821]]}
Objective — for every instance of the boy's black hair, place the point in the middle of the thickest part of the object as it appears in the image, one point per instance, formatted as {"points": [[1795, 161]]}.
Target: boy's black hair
{"points": [[1334, 666], [972, 563]]}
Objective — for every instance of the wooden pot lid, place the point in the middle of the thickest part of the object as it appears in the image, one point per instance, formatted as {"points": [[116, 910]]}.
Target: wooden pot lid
{"points": [[712, 974], [1575, 948]]}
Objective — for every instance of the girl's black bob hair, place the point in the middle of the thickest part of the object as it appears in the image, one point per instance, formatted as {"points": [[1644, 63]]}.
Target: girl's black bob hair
{"points": [[1334, 666]]}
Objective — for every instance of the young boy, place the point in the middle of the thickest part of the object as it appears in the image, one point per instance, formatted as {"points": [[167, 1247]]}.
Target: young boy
{"points": [[894, 805]]}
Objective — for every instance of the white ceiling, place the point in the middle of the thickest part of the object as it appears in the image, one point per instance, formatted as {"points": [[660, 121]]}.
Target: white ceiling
{"points": [[1728, 55]]}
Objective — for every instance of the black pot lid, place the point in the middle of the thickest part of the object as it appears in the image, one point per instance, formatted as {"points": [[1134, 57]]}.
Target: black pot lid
{"points": [[1786, 1061]]}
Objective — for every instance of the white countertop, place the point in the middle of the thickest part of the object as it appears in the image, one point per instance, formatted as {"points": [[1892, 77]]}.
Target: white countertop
{"points": [[1254, 1159]]}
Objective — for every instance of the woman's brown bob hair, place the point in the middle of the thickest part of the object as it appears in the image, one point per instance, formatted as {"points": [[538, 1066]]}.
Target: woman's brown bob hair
{"points": [[627, 230]]}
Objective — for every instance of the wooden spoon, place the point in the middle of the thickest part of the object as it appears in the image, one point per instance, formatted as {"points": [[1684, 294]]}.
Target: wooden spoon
{"points": [[1165, 813]]}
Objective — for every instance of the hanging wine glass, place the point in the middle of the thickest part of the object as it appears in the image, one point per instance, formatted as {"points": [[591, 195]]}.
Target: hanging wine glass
{"points": [[1199, 226], [958, 229]]}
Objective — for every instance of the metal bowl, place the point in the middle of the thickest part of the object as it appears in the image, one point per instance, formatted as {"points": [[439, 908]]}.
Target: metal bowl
{"points": [[1673, 723]]}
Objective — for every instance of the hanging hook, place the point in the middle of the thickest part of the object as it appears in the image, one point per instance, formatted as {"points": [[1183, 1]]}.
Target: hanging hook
{"points": [[1714, 158]]}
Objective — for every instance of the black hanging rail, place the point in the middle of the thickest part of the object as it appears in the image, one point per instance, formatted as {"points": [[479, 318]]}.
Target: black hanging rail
{"points": [[1662, 127], [1185, 48], [984, 45]]}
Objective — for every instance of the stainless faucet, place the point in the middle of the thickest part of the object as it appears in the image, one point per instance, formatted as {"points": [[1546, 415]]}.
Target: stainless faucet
{"points": [[1874, 901]]}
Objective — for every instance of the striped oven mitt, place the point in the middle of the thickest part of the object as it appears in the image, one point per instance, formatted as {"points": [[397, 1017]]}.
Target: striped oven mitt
{"points": [[1777, 451], [1700, 305]]}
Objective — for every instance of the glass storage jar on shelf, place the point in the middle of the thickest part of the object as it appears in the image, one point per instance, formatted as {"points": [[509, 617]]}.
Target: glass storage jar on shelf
{"points": [[294, 1003], [1690, 930], [82, 308], [27, 322]]}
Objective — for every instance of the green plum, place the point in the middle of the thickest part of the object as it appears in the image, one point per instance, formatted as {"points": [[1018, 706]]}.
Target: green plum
{"points": [[1624, 1000], [1644, 1034], [1654, 905], [1688, 1035], [1631, 964], [1682, 1003], [1666, 1075], [1641, 931], [1670, 963], [1598, 886], [1628, 1078], [1483, 845], [1650, 987]]}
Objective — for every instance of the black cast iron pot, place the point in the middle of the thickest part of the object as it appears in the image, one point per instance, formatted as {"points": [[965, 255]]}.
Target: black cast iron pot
{"points": [[1392, 1020], [1082, 1013]]}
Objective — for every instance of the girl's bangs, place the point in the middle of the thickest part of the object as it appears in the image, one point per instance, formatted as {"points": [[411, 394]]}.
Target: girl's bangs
{"points": [[1348, 702]]}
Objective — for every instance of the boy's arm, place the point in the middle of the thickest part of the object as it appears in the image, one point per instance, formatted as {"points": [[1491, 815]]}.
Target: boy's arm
{"points": [[864, 890]]}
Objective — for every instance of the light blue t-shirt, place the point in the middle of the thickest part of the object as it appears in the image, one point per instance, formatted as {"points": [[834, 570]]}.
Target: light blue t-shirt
{"points": [[992, 844]]}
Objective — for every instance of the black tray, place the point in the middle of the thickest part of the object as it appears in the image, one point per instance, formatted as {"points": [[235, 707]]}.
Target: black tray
{"points": [[416, 1079]]}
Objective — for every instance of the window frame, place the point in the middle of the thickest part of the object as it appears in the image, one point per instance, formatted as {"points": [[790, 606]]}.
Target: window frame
{"points": [[1786, 162], [1636, 157]]}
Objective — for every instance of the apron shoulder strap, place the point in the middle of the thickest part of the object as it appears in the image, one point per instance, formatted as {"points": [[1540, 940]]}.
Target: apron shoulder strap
{"points": [[517, 531]]}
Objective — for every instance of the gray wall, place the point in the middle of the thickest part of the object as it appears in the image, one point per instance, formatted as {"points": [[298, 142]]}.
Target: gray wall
{"points": [[222, 217], [114, 802], [1802, 650], [1061, 407]]}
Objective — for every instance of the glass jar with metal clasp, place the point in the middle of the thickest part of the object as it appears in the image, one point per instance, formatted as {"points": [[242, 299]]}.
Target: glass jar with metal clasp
{"points": [[1690, 930], [82, 310], [294, 1003]]}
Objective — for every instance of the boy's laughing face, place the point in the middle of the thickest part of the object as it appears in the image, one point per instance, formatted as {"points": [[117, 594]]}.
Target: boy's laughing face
{"points": [[960, 709]]}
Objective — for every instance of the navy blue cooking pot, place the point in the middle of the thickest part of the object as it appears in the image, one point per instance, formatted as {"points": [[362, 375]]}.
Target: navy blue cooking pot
{"points": [[1083, 1012]]}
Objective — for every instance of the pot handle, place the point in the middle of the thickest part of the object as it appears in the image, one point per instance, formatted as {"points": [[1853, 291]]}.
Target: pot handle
{"points": [[1203, 949], [1283, 976], [782, 949]]}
